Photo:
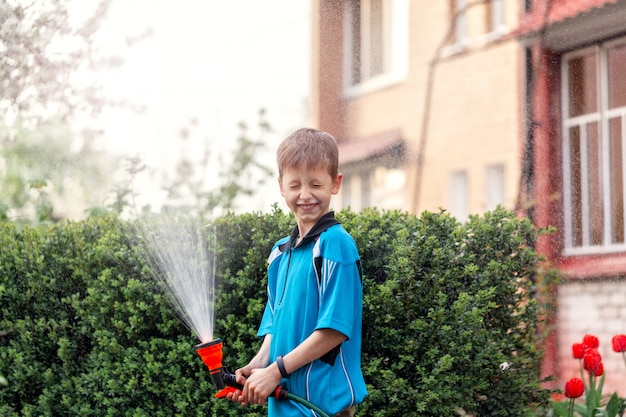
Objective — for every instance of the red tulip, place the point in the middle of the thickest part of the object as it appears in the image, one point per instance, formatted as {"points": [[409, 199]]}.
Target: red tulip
{"points": [[599, 369], [578, 350], [619, 343], [591, 341], [574, 388], [592, 360]]}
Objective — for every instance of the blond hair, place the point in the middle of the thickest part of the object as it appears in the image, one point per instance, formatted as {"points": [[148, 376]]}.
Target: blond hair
{"points": [[310, 147]]}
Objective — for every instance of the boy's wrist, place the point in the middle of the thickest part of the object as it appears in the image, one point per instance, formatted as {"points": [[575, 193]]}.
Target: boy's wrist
{"points": [[281, 367]]}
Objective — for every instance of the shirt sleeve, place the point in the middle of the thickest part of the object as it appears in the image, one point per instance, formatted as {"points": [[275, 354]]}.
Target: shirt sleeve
{"points": [[267, 321], [341, 288]]}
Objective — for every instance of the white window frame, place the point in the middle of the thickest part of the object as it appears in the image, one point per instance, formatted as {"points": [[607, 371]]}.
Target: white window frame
{"points": [[347, 195], [458, 195], [395, 56], [460, 42], [498, 27], [460, 24], [356, 190], [602, 116], [494, 186]]}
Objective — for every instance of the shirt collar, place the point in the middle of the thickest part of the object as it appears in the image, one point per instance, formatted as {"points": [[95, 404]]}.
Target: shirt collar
{"points": [[326, 221]]}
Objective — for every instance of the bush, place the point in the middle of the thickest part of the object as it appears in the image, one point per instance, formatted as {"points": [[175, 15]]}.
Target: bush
{"points": [[450, 327], [86, 332], [449, 323]]}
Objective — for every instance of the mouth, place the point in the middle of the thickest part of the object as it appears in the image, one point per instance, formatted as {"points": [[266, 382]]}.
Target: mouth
{"points": [[307, 207]]}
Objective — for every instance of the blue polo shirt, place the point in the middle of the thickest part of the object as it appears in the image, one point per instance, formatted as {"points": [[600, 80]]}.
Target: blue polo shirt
{"points": [[316, 285]]}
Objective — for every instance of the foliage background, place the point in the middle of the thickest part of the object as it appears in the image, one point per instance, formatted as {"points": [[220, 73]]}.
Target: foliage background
{"points": [[449, 317]]}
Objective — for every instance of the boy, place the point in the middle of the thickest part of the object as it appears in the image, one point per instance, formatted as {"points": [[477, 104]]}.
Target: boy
{"points": [[311, 327]]}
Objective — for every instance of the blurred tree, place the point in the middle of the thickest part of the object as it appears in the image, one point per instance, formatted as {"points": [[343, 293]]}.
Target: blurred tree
{"points": [[42, 169], [245, 173], [240, 173], [46, 167], [44, 46], [41, 47]]}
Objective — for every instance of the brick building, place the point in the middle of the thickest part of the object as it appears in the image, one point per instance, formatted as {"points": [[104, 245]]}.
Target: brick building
{"points": [[467, 104], [576, 95]]}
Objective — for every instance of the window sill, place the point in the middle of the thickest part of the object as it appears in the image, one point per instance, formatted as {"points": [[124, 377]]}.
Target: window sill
{"points": [[594, 250], [493, 36], [478, 42], [454, 49], [594, 265], [374, 84]]}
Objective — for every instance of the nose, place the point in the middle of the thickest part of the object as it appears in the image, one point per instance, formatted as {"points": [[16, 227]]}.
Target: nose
{"points": [[305, 192]]}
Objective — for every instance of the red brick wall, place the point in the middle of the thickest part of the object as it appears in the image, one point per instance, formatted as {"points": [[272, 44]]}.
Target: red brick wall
{"points": [[559, 11]]}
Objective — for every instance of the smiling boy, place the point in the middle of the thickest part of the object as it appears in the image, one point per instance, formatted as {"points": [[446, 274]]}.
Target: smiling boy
{"points": [[311, 326]]}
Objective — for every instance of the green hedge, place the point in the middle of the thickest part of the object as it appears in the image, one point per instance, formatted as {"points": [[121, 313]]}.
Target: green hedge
{"points": [[449, 326]]}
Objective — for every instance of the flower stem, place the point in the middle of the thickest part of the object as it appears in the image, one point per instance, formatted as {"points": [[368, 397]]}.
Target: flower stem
{"points": [[570, 408]]}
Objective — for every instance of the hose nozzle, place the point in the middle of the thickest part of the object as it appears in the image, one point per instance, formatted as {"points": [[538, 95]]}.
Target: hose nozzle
{"points": [[223, 380], [211, 355]]}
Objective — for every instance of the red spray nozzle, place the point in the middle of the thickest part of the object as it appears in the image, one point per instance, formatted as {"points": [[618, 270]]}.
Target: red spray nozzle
{"points": [[211, 354], [223, 380]]}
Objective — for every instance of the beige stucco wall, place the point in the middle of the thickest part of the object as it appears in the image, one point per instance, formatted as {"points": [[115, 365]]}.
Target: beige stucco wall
{"points": [[474, 118], [401, 105], [474, 122]]}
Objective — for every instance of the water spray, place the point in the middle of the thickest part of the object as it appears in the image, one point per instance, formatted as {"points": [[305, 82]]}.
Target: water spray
{"points": [[226, 382], [181, 254]]}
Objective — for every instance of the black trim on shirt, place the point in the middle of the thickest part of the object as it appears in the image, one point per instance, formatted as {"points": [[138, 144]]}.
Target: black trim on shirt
{"points": [[326, 221]]}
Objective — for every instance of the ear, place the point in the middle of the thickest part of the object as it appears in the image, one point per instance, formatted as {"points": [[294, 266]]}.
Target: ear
{"points": [[280, 185], [337, 184]]}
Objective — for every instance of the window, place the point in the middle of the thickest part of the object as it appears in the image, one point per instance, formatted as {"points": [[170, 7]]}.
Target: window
{"points": [[346, 191], [376, 39], [494, 186], [494, 16], [458, 17], [459, 195], [528, 6], [356, 191], [369, 50], [594, 148], [474, 23]]}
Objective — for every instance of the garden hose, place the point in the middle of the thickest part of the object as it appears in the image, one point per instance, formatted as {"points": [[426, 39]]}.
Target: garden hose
{"points": [[307, 404]]}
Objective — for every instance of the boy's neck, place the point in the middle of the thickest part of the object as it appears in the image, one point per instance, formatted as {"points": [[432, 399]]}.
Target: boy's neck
{"points": [[299, 234]]}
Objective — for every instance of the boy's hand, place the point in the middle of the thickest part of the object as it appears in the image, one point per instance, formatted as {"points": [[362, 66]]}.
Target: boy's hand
{"points": [[241, 375], [258, 364], [261, 383]]}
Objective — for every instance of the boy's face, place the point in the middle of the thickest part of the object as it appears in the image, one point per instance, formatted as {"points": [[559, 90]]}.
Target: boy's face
{"points": [[307, 192]]}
